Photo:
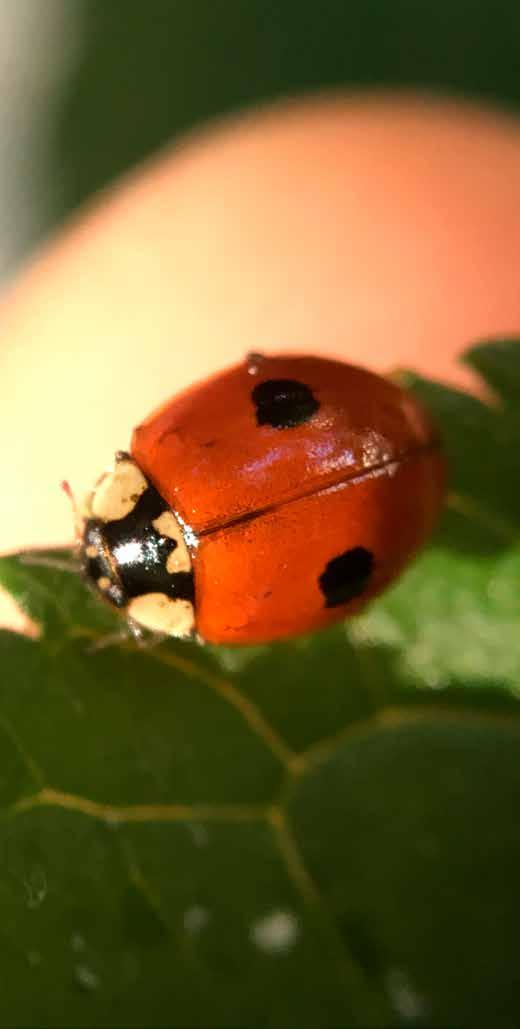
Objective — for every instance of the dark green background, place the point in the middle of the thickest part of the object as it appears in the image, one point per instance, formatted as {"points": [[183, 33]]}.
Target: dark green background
{"points": [[147, 71]]}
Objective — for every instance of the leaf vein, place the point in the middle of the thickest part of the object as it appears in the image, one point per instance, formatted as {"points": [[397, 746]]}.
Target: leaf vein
{"points": [[31, 765], [471, 509], [396, 717], [371, 1005], [233, 696], [120, 814]]}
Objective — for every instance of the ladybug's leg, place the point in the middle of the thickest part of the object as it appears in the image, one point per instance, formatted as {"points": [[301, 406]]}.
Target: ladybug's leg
{"points": [[145, 640], [130, 631], [110, 639], [61, 564], [78, 520]]}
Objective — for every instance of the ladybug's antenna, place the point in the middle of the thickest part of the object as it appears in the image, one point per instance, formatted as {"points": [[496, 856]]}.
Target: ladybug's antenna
{"points": [[78, 521]]}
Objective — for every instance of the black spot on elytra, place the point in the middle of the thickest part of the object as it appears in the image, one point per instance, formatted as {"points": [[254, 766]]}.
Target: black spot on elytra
{"points": [[346, 576], [283, 403], [133, 555]]}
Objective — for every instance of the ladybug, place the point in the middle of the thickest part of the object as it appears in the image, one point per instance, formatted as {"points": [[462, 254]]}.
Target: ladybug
{"points": [[267, 501]]}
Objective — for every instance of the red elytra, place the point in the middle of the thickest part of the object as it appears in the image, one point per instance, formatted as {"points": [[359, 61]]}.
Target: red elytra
{"points": [[308, 483]]}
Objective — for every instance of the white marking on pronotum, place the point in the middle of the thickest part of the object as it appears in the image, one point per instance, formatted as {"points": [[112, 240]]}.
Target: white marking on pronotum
{"points": [[117, 492], [179, 559], [276, 933], [160, 613]]}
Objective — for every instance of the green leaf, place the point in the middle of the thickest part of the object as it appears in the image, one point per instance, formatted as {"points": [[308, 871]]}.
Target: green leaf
{"points": [[423, 883], [319, 833], [498, 365]]}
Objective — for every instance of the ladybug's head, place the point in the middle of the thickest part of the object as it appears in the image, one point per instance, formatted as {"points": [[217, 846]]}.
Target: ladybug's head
{"points": [[133, 552]]}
